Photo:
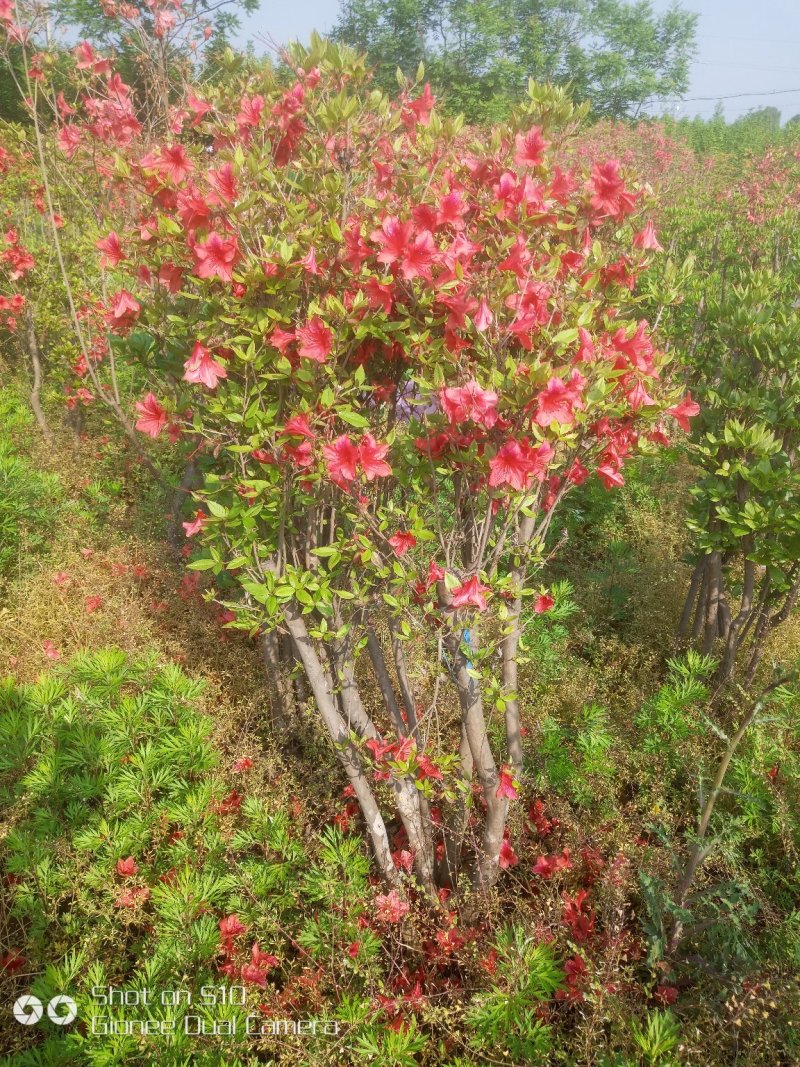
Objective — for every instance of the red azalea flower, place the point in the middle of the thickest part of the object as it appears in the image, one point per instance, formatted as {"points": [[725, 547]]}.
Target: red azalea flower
{"points": [[315, 340], [371, 458], [684, 411], [111, 248], [402, 541], [390, 908], [341, 458], [153, 418], [231, 926], [196, 524], [530, 148], [201, 368], [216, 257], [470, 594]]}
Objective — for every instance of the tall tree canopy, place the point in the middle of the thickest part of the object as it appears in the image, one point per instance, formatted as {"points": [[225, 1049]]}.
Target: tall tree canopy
{"points": [[479, 54]]}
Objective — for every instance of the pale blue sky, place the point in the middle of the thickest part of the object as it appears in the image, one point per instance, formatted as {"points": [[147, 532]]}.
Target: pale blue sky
{"points": [[743, 47]]}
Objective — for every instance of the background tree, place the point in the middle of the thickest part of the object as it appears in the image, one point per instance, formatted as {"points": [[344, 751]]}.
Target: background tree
{"points": [[480, 53], [156, 44]]}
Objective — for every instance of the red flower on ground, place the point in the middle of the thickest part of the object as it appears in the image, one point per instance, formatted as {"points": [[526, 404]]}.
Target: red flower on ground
{"points": [[578, 916], [231, 926], [546, 866], [390, 908], [12, 961], [508, 857], [127, 868], [253, 975], [131, 897], [666, 995], [262, 959], [230, 803]]}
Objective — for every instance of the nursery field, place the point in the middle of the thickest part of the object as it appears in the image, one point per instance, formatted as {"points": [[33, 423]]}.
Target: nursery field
{"points": [[399, 561]]}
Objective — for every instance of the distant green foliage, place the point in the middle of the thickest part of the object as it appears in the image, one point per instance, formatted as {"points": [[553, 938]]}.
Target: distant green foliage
{"points": [[392, 1048], [602, 550], [754, 132], [479, 56], [670, 717], [576, 761], [754, 824], [545, 635]]}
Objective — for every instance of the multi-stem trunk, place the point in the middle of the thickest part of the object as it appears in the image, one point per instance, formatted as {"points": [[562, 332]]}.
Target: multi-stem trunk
{"points": [[32, 345], [342, 710], [345, 749], [487, 866]]}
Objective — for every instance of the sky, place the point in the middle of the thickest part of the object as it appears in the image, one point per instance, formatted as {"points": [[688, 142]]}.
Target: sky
{"points": [[744, 47]]}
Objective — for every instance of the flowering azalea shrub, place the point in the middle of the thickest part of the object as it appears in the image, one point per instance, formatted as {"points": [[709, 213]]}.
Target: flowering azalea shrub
{"points": [[732, 220], [394, 351], [735, 334]]}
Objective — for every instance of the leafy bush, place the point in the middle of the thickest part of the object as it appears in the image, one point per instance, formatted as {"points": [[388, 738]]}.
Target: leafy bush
{"points": [[508, 1018]]}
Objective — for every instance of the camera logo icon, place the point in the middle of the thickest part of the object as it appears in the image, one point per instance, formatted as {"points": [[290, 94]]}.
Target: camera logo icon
{"points": [[69, 1009], [28, 1010]]}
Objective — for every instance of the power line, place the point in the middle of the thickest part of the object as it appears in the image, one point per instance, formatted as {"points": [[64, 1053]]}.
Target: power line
{"points": [[729, 96], [742, 66], [749, 40]]}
